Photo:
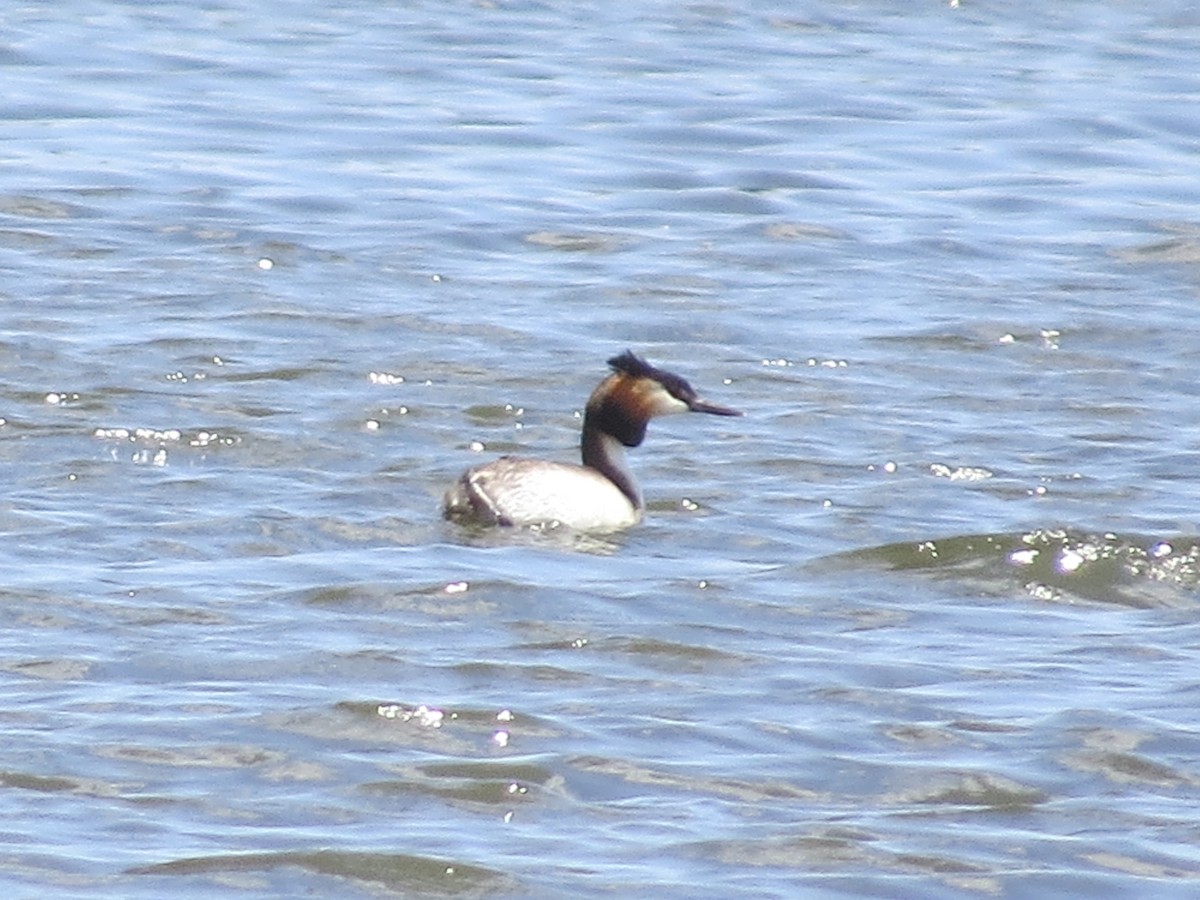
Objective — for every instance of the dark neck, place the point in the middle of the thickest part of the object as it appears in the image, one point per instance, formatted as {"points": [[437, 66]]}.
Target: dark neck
{"points": [[605, 454]]}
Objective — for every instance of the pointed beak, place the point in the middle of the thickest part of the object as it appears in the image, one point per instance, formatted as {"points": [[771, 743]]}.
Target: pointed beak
{"points": [[704, 406]]}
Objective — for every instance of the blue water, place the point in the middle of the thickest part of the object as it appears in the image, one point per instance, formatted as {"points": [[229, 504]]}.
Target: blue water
{"points": [[921, 624]]}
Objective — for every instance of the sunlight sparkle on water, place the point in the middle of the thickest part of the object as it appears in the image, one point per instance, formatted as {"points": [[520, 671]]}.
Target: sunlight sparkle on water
{"points": [[1023, 557], [1069, 561], [422, 715]]}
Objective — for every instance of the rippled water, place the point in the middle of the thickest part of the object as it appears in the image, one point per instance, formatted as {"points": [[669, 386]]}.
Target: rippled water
{"points": [[922, 624]]}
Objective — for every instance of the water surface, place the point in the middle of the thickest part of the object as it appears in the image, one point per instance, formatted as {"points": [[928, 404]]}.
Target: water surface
{"points": [[921, 624]]}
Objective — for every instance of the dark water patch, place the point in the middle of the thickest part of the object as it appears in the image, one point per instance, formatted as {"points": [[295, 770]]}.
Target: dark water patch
{"points": [[669, 656], [803, 232], [971, 789], [826, 849], [481, 783], [32, 207], [1123, 751], [839, 861], [443, 601], [48, 669], [54, 784], [193, 756], [25, 239], [516, 673], [1050, 565], [363, 723], [409, 875], [1130, 769], [576, 242], [461, 733], [1184, 249], [606, 779]]}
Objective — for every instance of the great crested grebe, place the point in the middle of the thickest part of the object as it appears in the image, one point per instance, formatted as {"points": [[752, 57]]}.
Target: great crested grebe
{"points": [[601, 494]]}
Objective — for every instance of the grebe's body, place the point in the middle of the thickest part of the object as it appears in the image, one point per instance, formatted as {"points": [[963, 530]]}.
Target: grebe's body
{"points": [[601, 494]]}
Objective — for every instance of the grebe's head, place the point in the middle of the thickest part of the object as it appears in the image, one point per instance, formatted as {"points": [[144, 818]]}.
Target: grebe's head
{"points": [[624, 402]]}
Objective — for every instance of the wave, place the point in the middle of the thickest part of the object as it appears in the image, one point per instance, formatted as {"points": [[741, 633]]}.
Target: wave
{"points": [[1053, 565]]}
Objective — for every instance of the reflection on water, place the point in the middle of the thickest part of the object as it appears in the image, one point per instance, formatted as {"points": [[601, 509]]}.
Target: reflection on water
{"points": [[1053, 565]]}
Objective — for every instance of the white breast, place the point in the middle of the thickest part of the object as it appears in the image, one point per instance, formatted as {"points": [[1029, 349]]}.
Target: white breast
{"points": [[515, 491]]}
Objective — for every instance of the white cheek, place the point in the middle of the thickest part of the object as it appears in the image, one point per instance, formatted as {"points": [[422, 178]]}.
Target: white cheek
{"points": [[663, 404]]}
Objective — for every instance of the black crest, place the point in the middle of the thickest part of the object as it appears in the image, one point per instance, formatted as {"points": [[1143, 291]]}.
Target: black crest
{"points": [[631, 364]]}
